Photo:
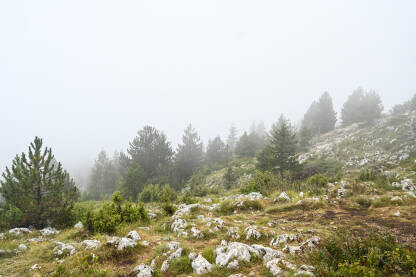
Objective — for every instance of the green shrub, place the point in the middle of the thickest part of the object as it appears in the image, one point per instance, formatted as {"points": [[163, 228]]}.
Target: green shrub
{"points": [[263, 181], [112, 214], [187, 198], [321, 165], [209, 255], [182, 265], [168, 208], [155, 193], [367, 174], [228, 207], [10, 216], [372, 255], [364, 202]]}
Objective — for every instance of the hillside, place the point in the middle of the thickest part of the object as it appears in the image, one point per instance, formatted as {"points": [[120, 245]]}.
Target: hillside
{"points": [[315, 227]]}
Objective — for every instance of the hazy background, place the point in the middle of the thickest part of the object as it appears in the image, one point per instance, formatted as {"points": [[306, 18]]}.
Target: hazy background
{"points": [[87, 75]]}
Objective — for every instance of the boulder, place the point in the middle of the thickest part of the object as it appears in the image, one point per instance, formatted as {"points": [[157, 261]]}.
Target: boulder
{"points": [[125, 243], [274, 268], [196, 233], [48, 231], [18, 231], [283, 197], [91, 244], [305, 270], [234, 250], [233, 265], [178, 225], [79, 225], [310, 243], [173, 245], [233, 233], [267, 253], [284, 238], [143, 271], [134, 236], [22, 247], [201, 266], [62, 249], [252, 233]]}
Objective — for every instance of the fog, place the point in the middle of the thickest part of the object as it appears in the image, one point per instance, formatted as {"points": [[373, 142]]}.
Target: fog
{"points": [[87, 75]]}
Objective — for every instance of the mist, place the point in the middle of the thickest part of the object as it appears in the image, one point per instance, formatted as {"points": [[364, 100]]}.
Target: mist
{"points": [[87, 76]]}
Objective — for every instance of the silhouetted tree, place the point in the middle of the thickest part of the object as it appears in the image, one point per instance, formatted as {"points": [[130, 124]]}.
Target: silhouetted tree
{"points": [[39, 188], [217, 152], [189, 154], [280, 151], [320, 117], [232, 138], [361, 106], [151, 150], [133, 182]]}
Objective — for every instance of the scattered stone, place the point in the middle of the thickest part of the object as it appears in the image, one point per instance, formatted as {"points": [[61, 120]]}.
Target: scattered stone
{"points": [[48, 231], [285, 238], [301, 194], [22, 247], [197, 233], [62, 249], [233, 264], [113, 241], [396, 199], [234, 250], [125, 243], [91, 244], [251, 232], [173, 245], [292, 249], [36, 267], [40, 239], [236, 275], [18, 231], [79, 225], [145, 243], [274, 268], [233, 233], [397, 213], [283, 197], [201, 266], [267, 253], [178, 225], [134, 236], [192, 256], [305, 270], [310, 243], [143, 271]]}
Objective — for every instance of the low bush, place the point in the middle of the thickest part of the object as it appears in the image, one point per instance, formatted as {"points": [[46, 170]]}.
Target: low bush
{"points": [[228, 207], [345, 254], [263, 181], [168, 208], [155, 193], [112, 214], [182, 265]]}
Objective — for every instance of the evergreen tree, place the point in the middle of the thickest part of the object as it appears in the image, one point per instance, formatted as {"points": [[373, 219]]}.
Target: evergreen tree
{"points": [[151, 150], [189, 154], [320, 117], [361, 106], [281, 149], [103, 177], [229, 178], [39, 188], [247, 146], [217, 152], [132, 184], [232, 138], [305, 138]]}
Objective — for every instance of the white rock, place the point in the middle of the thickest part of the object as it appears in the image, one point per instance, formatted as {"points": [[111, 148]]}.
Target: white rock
{"points": [[40, 239], [125, 243], [36, 266], [284, 238], [233, 264], [143, 271], [305, 270], [196, 233], [91, 244], [310, 243], [79, 225], [396, 198], [274, 268], [233, 233], [178, 225], [252, 233], [48, 231], [267, 253], [2, 235], [18, 231], [397, 213], [192, 256], [173, 245], [113, 241], [292, 249], [301, 194], [201, 266], [283, 196], [134, 236], [145, 243], [165, 266], [234, 250], [62, 248], [22, 247]]}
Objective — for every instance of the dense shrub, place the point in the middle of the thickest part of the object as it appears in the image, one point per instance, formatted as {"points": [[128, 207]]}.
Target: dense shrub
{"points": [[263, 181], [155, 193], [168, 208], [112, 214], [321, 165], [373, 255], [187, 198], [228, 207]]}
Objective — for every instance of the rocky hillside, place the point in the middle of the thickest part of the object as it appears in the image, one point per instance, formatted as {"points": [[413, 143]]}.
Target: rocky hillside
{"points": [[302, 229]]}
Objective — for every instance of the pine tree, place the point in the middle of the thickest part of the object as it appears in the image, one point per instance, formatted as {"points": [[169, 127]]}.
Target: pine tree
{"points": [[232, 138], [189, 154], [361, 106], [217, 152], [151, 150], [320, 117], [280, 151], [133, 183], [39, 187]]}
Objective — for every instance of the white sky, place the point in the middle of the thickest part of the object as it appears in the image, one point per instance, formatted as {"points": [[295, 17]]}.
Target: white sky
{"points": [[86, 75]]}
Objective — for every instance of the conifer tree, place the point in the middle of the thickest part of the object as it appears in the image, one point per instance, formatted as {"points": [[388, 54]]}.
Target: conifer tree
{"points": [[133, 183], [280, 151], [39, 187], [189, 154], [320, 117], [232, 138]]}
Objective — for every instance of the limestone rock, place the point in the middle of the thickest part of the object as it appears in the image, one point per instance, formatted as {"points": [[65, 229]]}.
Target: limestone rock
{"points": [[201, 266]]}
